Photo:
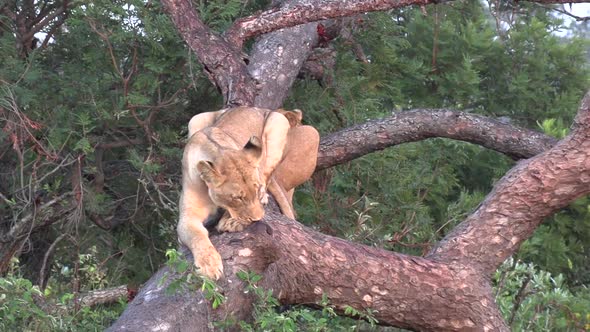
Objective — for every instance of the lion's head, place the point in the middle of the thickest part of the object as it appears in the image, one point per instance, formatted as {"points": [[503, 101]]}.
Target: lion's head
{"points": [[234, 181]]}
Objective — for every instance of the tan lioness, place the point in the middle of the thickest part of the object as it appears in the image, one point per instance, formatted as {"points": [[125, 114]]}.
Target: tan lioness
{"points": [[232, 156]]}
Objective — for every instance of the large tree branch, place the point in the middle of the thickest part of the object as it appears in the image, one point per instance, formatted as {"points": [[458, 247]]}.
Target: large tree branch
{"points": [[417, 125], [316, 10], [223, 63], [530, 192], [277, 58], [302, 265]]}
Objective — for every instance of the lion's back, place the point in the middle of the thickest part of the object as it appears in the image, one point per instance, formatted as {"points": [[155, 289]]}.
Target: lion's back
{"points": [[241, 123]]}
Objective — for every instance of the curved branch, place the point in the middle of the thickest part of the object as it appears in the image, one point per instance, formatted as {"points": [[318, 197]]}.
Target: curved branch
{"points": [[416, 125], [521, 200], [305, 12], [317, 10]]}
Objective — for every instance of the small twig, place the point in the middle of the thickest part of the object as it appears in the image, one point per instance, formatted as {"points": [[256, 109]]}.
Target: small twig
{"points": [[565, 12], [17, 229], [520, 296], [105, 38], [503, 278], [46, 259], [5, 199]]}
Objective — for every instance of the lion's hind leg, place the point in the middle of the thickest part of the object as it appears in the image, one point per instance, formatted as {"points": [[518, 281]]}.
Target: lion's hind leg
{"points": [[284, 200]]}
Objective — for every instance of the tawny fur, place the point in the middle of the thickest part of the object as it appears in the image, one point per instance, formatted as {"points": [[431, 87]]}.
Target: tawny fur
{"points": [[232, 158]]}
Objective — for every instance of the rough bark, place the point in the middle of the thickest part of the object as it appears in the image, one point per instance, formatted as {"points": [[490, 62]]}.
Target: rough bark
{"points": [[530, 192], [275, 61], [416, 125], [305, 11], [223, 63], [301, 265], [103, 296]]}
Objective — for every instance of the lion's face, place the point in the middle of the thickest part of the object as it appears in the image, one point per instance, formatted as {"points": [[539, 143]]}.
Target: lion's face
{"points": [[235, 182]]}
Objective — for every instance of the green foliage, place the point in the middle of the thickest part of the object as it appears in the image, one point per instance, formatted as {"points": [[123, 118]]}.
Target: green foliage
{"points": [[554, 127], [16, 294], [269, 316], [24, 307], [534, 300], [186, 278]]}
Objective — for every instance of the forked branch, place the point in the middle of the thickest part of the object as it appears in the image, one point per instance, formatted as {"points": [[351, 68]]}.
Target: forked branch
{"points": [[521, 200], [223, 63]]}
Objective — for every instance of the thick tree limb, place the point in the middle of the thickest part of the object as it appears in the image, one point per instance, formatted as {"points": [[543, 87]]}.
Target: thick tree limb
{"points": [[275, 61], [301, 265], [530, 192], [316, 10], [416, 125], [306, 11], [223, 63]]}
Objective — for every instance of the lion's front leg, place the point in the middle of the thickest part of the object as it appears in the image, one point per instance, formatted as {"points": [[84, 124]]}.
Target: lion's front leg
{"points": [[195, 207]]}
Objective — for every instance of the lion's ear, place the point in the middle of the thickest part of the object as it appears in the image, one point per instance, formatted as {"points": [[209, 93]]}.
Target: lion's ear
{"points": [[209, 174], [254, 147]]}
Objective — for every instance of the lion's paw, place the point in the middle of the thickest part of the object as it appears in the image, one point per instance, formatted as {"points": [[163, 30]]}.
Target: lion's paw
{"points": [[263, 194], [232, 225], [209, 263]]}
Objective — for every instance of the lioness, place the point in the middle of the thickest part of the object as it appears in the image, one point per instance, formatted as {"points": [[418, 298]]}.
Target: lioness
{"points": [[231, 157]]}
